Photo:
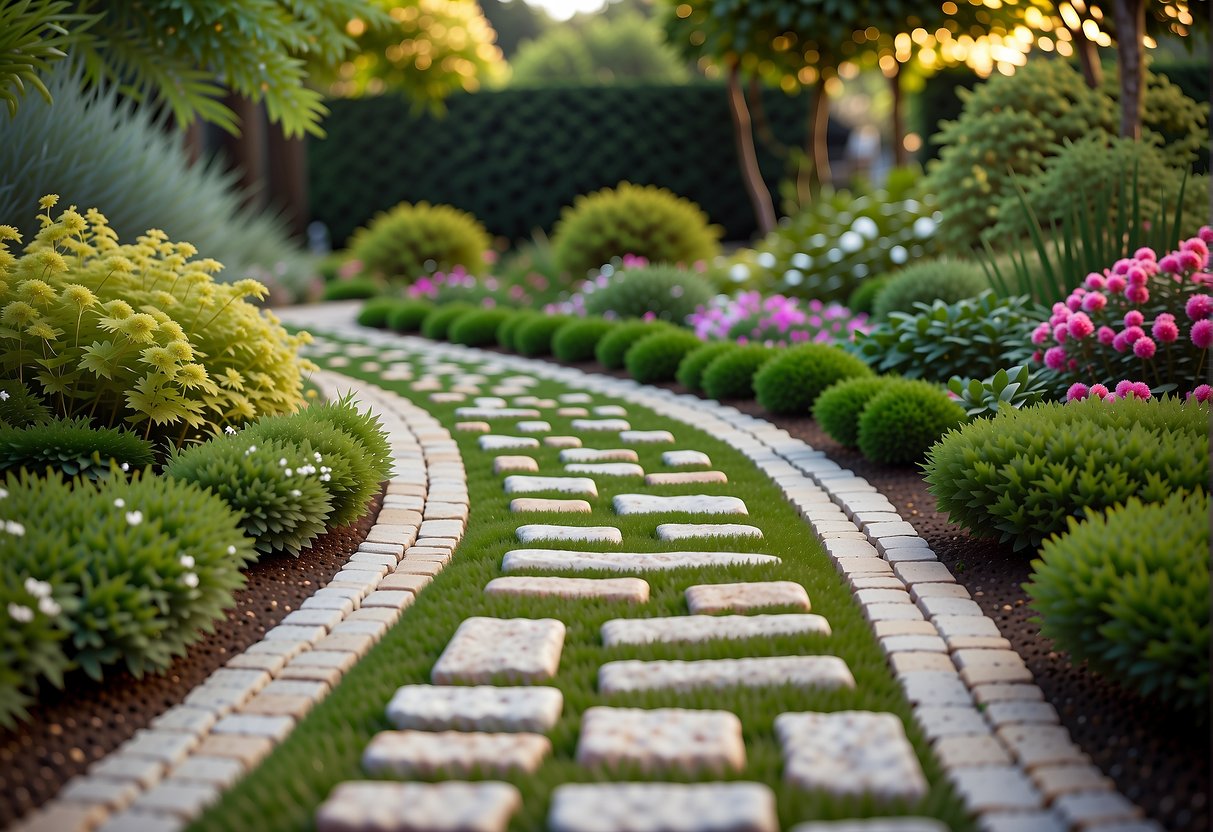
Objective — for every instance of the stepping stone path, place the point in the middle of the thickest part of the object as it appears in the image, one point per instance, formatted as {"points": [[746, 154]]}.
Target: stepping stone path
{"points": [[452, 806], [455, 753], [713, 598], [521, 484], [707, 627], [678, 459], [606, 469], [686, 531], [582, 455], [690, 504], [632, 590], [663, 807], [800, 671], [519, 649], [661, 739], [589, 534], [562, 560], [478, 708]]}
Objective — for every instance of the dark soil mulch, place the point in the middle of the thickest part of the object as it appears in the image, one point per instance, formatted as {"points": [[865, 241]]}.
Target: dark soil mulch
{"points": [[70, 729]]}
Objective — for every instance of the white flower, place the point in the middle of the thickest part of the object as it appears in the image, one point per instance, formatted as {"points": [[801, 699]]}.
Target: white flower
{"points": [[126, 466], [134, 518], [47, 606], [3, 493], [296, 493], [4, 396], [14, 528], [189, 579], [282, 462], [19, 613], [187, 561], [231, 550], [229, 430], [316, 456], [119, 502], [36, 588]]}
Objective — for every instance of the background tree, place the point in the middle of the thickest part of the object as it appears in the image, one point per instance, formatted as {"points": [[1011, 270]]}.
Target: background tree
{"points": [[621, 48], [515, 22]]}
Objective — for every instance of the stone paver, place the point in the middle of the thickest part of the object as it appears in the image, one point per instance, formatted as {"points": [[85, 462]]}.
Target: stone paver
{"points": [[521, 650], [476, 708], [743, 597], [496, 442], [557, 559], [523, 505], [632, 590], [687, 531], [661, 739], [800, 671], [589, 534], [605, 469], [509, 464], [646, 437], [453, 806], [612, 425], [689, 504], [586, 455], [453, 753], [686, 478], [663, 807], [522, 484], [682, 628], [873, 825], [677, 459]]}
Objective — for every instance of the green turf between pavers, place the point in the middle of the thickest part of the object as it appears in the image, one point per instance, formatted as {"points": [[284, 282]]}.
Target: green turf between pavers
{"points": [[325, 748]]}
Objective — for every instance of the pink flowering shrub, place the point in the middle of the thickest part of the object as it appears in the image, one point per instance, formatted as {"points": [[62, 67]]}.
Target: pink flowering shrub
{"points": [[1142, 327], [630, 287], [459, 285], [776, 320]]}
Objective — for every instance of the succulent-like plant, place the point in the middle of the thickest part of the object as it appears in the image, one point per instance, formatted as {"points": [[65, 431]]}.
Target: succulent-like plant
{"points": [[73, 447], [655, 358], [1013, 388], [363, 425], [792, 381], [899, 425], [412, 240], [19, 408]]}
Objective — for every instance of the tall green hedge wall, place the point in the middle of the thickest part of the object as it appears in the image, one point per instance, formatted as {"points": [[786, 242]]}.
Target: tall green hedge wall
{"points": [[514, 158]]}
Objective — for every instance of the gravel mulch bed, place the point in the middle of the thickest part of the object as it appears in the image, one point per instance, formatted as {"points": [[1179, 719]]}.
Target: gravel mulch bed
{"points": [[72, 728]]}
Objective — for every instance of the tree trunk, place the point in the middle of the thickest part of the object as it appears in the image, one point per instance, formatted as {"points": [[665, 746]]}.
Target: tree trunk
{"points": [[818, 149], [1131, 49], [288, 178], [246, 153], [1088, 58], [900, 157], [195, 140], [747, 157]]}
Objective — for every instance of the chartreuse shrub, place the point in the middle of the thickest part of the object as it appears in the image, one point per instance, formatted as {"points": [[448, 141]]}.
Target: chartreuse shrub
{"points": [[613, 347], [533, 337], [19, 407], [731, 374], [792, 381], [1128, 591], [928, 281], [277, 487], [139, 335], [641, 220], [109, 572], [665, 292], [839, 406], [74, 447], [375, 311], [409, 315], [412, 240], [355, 288], [479, 328], [1020, 476], [656, 357], [350, 479], [898, 425], [690, 370], [437, 325], [363, 425], [577, 339]]}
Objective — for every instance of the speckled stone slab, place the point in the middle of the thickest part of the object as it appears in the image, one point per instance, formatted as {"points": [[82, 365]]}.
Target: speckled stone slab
{"points": [[873, 825], [453, 806], [486, 413], [743, 597], [687, 504], [678, 459], [646, 437], [582, 455], [686, 478], [476, 708], [632, 590], [498, 442], [687, 531], [525, 504], [454, 753], [589, 534], [517, 559], [605, 469], [613, 425], [851, 753], [663, 807], [522, 484], [661, 739], [765, 671], [510, 464], [680, 628], [485, 649]]}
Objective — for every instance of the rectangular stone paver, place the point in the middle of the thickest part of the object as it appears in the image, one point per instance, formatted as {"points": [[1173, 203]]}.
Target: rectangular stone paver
{"points": [[557, 559], [689, 504], [663, 807], [661, 739], [526, 504], [588, 534], [613, 425], [685, 531], [583, 455], [800, 671], [680, 628], [522, 484], [646, 437], [605, 469], [484, 649], [851, 753], [497, 442], [632, 590], [873, 825], [509, 464], [453, 806], [476, 708], [686, 478], [454, 753], [677, 459], [743, 597]]}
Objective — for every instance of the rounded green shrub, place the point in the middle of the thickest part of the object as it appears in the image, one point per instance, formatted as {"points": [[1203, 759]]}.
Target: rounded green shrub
{"points": [[577, 339], [276, 487], [533, 337], [731, 374], [1128, 591], [863, 297], [669, 293], [409, 315], [690, 371], [31, 645], [928, 281], [613, 347], [479, 328], [1021, 475], [355, 288], [74, 447], [19, 408], [656, 357], [375, 312], [505, 332], [641, 220], [899, 425], [792, 381], [365, 427], [412, 240], [839, 406], [437, 325]]}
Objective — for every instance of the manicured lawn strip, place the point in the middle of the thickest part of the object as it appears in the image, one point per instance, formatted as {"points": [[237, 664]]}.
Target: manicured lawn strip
{"points": [[325, 748]]}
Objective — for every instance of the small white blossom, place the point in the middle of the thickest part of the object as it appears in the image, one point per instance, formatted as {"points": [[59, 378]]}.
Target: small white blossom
{"points": [[3, 493], [231, 550], [288, 472], [14, 528], [4, 396], [134, 518], [36, 588], [296, 493], [189, 579], [282, 462], [19, 613], [126, 466], [187, 561], [229, 430], [119, 502], [47, 606], [317, 456]]}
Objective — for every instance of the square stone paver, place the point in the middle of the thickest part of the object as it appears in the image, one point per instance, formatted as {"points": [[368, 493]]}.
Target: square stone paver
{"points": [[588, 534], [476, 708], [682, 628], [744, 597], [558, 559], [522, 484], [663, 807], [994, 788], [631, 590], [800, 671], [452, 806], [661, 739], [687, 531], [688, 504], [850, 752], [454, 753], [527, 504], [521, 650]]}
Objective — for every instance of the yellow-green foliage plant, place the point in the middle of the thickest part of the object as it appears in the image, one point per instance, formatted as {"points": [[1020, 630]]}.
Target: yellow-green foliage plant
{"points": [[139, 335], [413, 240]]}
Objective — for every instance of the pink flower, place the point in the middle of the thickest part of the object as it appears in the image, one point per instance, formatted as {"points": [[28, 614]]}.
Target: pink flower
{"points": [[1132, 333], [1122, 266], [1202, 393], [649, 316], [1169, 264], [1095, 280], [1197, 245], [1164, 329], [1202, 334], [1145, 253], [1041, 334], [1099, 391], [1074, 303], [1134, 318], [1136, 276], [1190, 261], [1123, 388], [1077, 392], [1206, 234], [1106, 335], [1141, 390], [1037, 357], [1094, 301], [1055, 358], [1060, 332], [1080, 325], [1144, 347], [1137, 294], [1199, 307], [1116, 284]]}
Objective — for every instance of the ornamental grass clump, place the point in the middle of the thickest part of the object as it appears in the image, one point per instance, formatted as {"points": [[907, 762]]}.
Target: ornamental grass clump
{"points": [[776, 321], [1019, 476], [1128, 591], [72, 446], [139, 335], [1142, 327], [792, 381]]}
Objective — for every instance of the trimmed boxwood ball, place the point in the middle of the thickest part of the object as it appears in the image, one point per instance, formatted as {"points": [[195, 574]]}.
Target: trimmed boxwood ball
{"points": [[1020, 476], [731, 375], [656, 357], [839, 406], [74, 447], [437, 324], [789, 384], [899, 425], [356, 288], [411, 240], [690, 371], [928, 281], [376, 310], [409, 315], [613, 347], [533, 337], [1128, 591], [479, 328], [577, 339], [505, 332], [361, 424]]}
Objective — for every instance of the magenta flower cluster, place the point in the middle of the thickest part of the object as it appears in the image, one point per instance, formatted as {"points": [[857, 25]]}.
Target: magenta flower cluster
{"points": [[1146, 317], [750, 318], [459, 284], [575, 303]]}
